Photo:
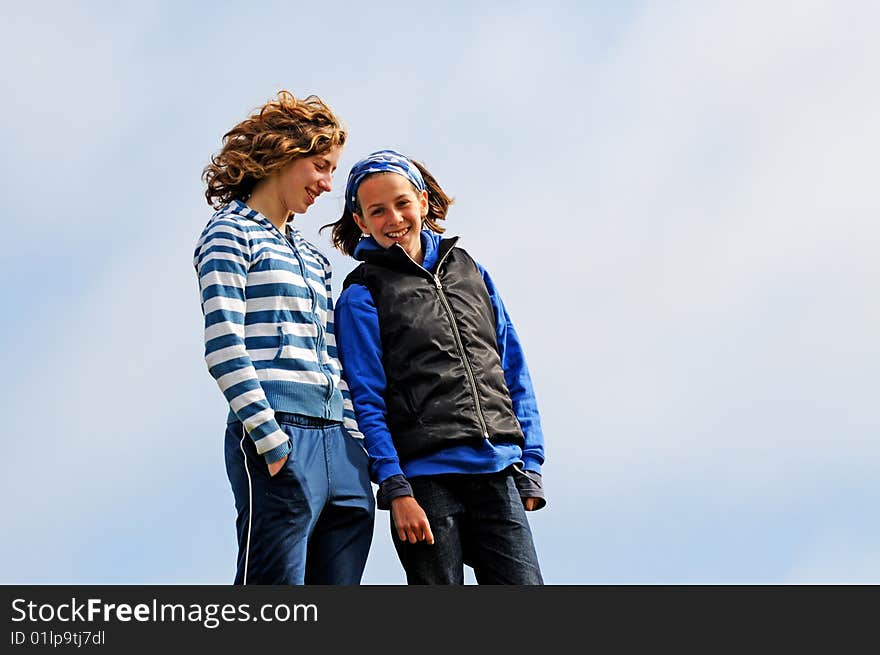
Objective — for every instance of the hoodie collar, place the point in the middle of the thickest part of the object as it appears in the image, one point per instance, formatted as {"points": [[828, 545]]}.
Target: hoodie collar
{"points": [[240, 208], [430, 241]]}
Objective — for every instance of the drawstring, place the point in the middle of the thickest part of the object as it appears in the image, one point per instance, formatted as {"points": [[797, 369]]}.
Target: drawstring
{"points": [[247, 550]]}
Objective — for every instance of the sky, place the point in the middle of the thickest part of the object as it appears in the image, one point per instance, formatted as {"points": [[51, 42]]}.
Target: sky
{"points": [[677, 201]]}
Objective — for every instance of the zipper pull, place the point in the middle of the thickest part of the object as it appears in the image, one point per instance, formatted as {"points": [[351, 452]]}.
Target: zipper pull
{"points": [[437, 282]]}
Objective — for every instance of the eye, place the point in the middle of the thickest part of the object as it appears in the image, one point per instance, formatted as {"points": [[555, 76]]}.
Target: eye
{"points": [[376, 211]]}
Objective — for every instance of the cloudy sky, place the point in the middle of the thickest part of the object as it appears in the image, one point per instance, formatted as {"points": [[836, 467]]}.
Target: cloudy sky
{"points": [[678, 201]]}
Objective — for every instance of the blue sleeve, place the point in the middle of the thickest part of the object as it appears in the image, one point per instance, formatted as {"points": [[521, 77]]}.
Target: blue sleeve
{"points": [[360, 351], [519, 382]]}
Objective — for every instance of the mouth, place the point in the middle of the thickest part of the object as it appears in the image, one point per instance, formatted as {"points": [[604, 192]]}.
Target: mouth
{"points": [[399, 234], [311, 195]]}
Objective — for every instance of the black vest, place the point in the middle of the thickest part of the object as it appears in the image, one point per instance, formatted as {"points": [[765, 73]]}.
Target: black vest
{"points": [[445, 384]]}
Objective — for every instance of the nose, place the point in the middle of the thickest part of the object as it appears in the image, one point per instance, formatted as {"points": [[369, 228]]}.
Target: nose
{"points": [[326, 183]]}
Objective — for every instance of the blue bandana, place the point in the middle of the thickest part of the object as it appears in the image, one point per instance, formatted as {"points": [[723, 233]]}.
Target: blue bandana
{"points": [[382, 161]]}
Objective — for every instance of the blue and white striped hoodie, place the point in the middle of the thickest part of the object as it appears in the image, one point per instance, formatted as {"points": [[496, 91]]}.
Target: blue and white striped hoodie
{"points": [[269, 339]]}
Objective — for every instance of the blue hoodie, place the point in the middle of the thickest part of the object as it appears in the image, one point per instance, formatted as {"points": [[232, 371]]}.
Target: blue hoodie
{"points": [[360, 350]]}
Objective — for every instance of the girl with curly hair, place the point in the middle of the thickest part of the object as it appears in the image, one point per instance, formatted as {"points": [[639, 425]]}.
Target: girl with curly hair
{"points": [[294, 455]]}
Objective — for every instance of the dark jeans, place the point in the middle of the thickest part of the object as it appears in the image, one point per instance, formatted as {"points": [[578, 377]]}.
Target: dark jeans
{"points": [[478, 520], [310, 523]]}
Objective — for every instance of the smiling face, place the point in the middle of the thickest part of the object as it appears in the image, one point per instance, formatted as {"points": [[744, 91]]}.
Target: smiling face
{"points": [[305, 178], [392, 212]]}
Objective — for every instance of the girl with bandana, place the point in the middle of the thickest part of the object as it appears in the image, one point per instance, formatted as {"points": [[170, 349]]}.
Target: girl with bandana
{"points": [[269, 343], [439, 383]]}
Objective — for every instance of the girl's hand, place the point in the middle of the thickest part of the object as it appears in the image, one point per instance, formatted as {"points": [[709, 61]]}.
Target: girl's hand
{"points": [[274, 467], [530, 503], [410, 520]]}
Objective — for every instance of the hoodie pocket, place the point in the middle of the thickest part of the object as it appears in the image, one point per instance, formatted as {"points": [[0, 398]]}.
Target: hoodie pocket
{"points": [[281, 343]]}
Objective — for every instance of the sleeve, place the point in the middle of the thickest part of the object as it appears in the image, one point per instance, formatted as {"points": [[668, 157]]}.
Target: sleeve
{"points": [[360, 350], [222, 262], [519, 382], [394, 487], [530, 485], [348, 416]]}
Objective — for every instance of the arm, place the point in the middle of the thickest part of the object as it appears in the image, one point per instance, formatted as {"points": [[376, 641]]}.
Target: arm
{"points": [[360, 349], [222, 261], [522, 395], [519, 382]]}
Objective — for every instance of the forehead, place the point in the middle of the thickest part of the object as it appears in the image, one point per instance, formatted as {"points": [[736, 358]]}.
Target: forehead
{"points": [[332, 155], [306, 164], [380, 187]]}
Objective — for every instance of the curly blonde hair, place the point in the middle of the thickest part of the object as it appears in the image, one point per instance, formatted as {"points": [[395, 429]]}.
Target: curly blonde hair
{"points": [[284, 129]]}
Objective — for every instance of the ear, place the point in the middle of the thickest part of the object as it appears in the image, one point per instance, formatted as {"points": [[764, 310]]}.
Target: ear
{"points": [[423, 201], [360, 223]]}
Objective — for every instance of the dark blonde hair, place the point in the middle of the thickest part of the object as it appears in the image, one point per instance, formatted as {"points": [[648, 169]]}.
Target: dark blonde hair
{"points": [[284, 129], [346, 232]]}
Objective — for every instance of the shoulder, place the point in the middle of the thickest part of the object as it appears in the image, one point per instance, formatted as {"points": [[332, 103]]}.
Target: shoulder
{"points": [[356, 296], [481, 270], [356, 311], [465, 255], [466, 258], [356, 277], [225, 220], [230, 223], [452, 245], [227, 231]]}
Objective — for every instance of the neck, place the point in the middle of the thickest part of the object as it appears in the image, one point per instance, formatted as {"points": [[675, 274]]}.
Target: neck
{"points": [[418, 257], [418, 253], [269, 205]]}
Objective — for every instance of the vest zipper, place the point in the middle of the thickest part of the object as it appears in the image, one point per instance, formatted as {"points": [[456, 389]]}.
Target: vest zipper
{"points": [[464, 358], [455, 333]]}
